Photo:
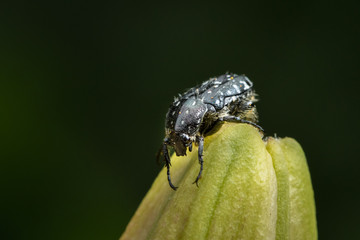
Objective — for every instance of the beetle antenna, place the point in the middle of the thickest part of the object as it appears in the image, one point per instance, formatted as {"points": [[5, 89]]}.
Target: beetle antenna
{"points": [[159, 156]]}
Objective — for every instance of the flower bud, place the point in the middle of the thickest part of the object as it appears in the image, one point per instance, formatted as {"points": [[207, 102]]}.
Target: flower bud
{"points": [[250, 189]]}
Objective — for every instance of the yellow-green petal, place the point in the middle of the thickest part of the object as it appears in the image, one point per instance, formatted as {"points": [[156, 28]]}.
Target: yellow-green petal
{"points": [[302, 205], [283, 196]]}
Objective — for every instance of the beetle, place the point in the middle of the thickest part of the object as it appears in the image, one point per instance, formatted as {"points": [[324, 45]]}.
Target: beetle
{"points": [[228, 97]]}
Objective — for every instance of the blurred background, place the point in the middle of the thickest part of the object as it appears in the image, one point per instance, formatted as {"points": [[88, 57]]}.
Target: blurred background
{"points": [[84, 89]]}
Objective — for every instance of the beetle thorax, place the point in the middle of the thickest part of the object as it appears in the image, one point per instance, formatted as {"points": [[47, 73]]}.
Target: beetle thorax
{"points": [[185, 117], [183, 123], [190, 116]]}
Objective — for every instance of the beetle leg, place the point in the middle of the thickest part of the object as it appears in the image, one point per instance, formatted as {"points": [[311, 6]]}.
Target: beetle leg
{"points": [[190, 147], [167, 164], [238, 119], [200, 156]]}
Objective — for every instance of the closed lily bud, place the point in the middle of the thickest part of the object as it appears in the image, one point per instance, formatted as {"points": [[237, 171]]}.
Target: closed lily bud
{"points": [[250, 189]]}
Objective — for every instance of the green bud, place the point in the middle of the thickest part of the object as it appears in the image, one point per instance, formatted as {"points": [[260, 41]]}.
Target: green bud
{"points": [[250, 189]]}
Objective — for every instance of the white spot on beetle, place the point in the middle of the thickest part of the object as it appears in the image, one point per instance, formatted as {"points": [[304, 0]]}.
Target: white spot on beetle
{"points": [[187, 111], [182, 122], [216, 86], [194, 102], [209, 91], [236, 88], [228, 92], [217, 102], [246, 86]]}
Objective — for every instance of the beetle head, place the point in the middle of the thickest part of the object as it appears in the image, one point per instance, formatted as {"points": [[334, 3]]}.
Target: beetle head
{"points": [[180, 142]]}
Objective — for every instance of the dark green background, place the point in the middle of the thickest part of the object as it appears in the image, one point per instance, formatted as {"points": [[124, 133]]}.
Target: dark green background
{"points": [[84, 88]]}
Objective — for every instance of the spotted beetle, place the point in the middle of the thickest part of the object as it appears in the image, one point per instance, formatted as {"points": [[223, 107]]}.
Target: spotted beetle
{"points": [[228, 97]]}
